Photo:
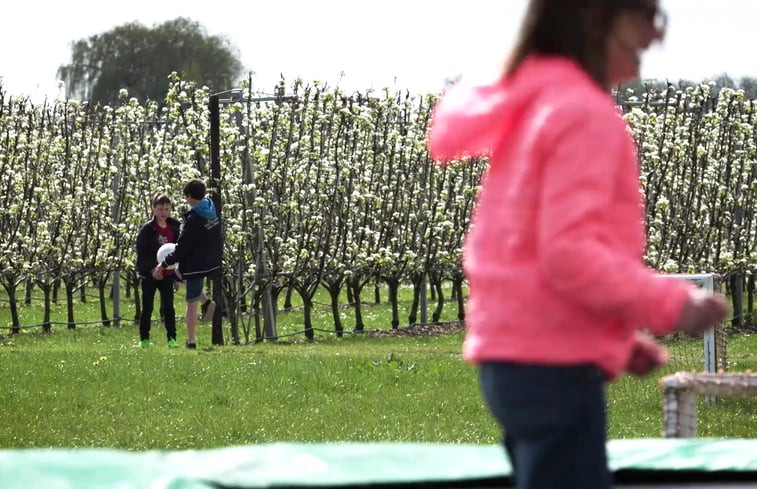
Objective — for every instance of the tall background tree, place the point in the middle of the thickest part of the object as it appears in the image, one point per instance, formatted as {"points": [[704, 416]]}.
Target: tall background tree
{"points": [[140, 58]]}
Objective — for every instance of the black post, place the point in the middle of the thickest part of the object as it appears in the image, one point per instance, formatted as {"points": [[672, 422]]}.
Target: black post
{"points": [[215, 184]]}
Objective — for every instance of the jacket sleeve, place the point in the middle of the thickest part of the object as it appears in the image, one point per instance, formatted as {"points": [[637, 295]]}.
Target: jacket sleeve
{"points": [[177, 232], [582, 167], [143, 250], [186, 241]]}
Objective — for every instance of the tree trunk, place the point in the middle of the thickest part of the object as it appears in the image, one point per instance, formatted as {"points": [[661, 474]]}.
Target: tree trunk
{"points": [[394, 285], [356, 287], [307, 293], [256, 313], [334, 290], [457, 286], [69, 284], [243, 307], [436, 284], [750, 300], [736, 284], [233, 318], [29, 289], [129, 285], [56, 289], [101, 285], [417, 280], [46, 290], [288, 299], [10, 289], [307, 304]]}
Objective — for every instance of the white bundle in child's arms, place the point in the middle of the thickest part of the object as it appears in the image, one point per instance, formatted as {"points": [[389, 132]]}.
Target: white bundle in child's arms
{"points": [[164, 251]]}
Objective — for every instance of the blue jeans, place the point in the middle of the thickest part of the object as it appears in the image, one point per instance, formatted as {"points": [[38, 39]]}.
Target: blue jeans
{"points": [[554, 423]]}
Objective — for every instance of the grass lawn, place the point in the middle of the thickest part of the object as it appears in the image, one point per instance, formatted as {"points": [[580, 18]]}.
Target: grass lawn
{"points": [[93, 387]]}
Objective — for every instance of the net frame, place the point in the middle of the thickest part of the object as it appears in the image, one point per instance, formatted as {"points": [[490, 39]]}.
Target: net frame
{"points": [[680, 392], [715, 341]]}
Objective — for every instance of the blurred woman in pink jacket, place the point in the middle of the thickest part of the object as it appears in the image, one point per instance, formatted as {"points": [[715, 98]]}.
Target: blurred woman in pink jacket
{"points": [[559, 292]]}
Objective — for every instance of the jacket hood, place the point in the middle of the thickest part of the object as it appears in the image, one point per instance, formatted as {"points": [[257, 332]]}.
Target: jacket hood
{"points": [[206, 209], [471, 121]]}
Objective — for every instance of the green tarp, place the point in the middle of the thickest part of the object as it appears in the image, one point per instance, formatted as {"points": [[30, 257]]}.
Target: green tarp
{"points": [[341, 464]]}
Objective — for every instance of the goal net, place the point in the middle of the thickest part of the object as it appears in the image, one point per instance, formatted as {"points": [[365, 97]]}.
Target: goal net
{"points": [[706, 353], [682, 390]]}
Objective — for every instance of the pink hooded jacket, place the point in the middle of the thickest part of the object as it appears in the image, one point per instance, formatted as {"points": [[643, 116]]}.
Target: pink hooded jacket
{"points": [[554, 256]]}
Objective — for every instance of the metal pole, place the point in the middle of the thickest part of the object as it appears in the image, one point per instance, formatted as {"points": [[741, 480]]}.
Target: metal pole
{"points": [[215, 179]]}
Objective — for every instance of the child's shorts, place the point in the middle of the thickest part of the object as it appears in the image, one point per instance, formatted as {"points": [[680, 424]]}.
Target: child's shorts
{"points": [[193, 289]]}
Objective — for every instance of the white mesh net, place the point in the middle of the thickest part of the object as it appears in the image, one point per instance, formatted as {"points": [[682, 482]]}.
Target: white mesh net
{"points": [[681, 391]]}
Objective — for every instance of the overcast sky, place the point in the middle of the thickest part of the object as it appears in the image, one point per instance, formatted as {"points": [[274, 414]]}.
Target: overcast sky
{"points": [[360, 44]]}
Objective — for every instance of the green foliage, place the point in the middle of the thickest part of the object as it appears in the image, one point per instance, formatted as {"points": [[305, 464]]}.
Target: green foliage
{"points": [[139, 59], [331, 189]]}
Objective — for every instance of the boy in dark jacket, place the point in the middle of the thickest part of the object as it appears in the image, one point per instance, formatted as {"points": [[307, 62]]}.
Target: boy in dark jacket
{"points": [[198, 253], [159, 230]]}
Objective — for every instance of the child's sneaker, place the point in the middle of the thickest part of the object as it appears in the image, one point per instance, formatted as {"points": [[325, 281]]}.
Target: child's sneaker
{"points": [[172, 343], [144, 344], [191, 346], [207, 311]]}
